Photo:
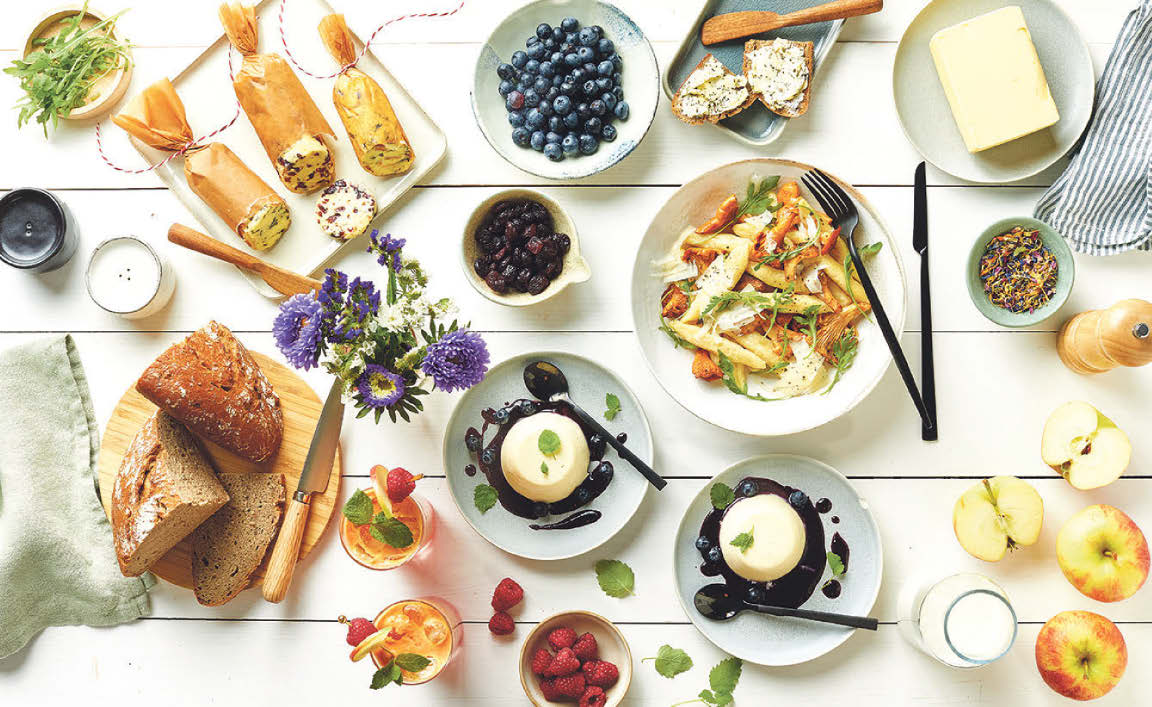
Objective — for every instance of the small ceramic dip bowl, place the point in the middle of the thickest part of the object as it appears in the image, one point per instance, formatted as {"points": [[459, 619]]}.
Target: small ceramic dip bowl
{"points": [[610, 642], [575, 266], [1066, 274]]}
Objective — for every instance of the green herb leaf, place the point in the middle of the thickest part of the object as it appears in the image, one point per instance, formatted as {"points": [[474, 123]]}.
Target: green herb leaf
{"points": [[412, 662], [484, 496], [870, 249], [358, 509], [549, 443], [677, 340], [729, 371], [844, 350], [835, 564], [722, 495], [387, 675], [809, 320], [391, 531], [723, 678], [544, 468], [743, 541], [615, 578], [613, 406], [670, 661]]}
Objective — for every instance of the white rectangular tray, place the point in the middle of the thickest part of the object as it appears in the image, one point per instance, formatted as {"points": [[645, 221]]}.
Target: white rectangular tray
{"points": [[206, 90]]}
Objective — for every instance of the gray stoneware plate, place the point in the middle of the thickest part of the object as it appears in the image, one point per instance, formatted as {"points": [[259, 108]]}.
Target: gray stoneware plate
{"points": [[755, 125], [927, 119], [589, 382], [641, 77], [771, 640]]}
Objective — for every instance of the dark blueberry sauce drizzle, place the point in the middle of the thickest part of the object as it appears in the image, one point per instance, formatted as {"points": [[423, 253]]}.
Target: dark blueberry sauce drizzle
{"points": [[823, 505], [838, 546], [622, 437], [488, 456]]}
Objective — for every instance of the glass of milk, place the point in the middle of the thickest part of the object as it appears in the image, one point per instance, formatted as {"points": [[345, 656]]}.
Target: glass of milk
{"points": [[964, 621], [127, 277]]}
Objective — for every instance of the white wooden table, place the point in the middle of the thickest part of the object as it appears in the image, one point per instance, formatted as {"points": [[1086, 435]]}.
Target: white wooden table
{"points": [[994, 387]]}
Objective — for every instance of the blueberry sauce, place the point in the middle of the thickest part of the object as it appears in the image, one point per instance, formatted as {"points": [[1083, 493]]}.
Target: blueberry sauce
{"points": [[622, 437], [470, 470], [823, 505], [835, 519], [578, 519]]}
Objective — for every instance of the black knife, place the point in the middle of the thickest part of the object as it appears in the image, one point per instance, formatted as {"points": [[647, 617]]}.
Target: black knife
{"points": [[928, 432]]}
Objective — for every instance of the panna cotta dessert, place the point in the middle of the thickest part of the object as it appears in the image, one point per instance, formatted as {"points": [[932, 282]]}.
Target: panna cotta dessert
{"points": [[762, 538], [544, 477]]}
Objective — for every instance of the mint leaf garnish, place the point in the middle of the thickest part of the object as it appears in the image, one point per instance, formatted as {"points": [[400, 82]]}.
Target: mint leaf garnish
{"points": [[722, 679], [388, 675], [670, 661], [412, 662], [549, 443], [391, 531], [615, 578], [484, 497], [722, 496], [743, 541], [544, 468], [613, 404], [835, 564], [358, 509]]}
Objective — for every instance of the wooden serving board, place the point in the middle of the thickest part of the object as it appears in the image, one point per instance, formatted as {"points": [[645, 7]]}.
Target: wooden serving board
{"points": [[301, 408]]}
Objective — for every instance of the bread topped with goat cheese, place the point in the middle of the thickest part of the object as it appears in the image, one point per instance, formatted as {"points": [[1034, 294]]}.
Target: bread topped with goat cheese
{"points": [[779, 74], [711, 93]]}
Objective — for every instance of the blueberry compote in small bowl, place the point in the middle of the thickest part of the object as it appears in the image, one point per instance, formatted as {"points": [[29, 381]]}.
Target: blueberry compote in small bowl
{"points": [[777, 530], [528, 476]]}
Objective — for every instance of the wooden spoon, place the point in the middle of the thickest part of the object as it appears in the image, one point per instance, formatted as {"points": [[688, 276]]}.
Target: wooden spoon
{"points": [[283, 281], [738, 25]]}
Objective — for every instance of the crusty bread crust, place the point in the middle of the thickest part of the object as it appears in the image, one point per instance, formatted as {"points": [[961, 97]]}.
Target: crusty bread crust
{"points": [[809, 59], [714, 118]]}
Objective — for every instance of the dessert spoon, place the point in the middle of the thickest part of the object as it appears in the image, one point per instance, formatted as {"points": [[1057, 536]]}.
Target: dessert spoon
{"points": [[716, 602], [547, 382]]}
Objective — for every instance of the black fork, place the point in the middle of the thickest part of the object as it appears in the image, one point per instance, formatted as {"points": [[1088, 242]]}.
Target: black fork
{"points": [[840, 208]]}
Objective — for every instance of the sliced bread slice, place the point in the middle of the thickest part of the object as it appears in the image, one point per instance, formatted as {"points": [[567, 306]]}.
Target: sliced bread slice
{"points": [[711, 93], [779, 73], [164, 489], [229, 547]]}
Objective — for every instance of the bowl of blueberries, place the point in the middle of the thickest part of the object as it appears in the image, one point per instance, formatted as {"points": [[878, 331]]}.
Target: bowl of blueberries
{"points": [[566, 88]]}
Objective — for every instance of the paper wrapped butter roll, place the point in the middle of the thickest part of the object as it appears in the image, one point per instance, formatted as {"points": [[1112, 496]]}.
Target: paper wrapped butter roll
{"points": [[376, 135], [285, 118], [214, 173]]}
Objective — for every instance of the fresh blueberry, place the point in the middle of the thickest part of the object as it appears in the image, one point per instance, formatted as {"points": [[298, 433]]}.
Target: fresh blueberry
{"points": [[473, 440], [590, 69], [540, 509], [582, 496], [557, 81], [577, 76], [556, 59], [531, 98], [572, 121], [520, 136], [605, 68], [549, 45], [587, 37], [553, 152], [562, 104], [558, 33], [589, 88], [618, 92], [522, 83], [551, 93], [588, 144], [516, 118], [571, 59], [532, 67], [598, 107], [537, 140], [703, 544], [798, 499], [715, 554], [570, 24], [556, 124], [551, 136], [529, 408], [609, 100], [617, 62], [547, 70], [545, 109], [514, 100], [747, 489], [593, 126], [616, 78], [544, 30], [506, 71], [506, 87], [571, 144], [756, 594], [541, 85], [583, 111], [605, 46], [567, 88], [531, 41], [535, 119], [603, 84], [621, 110], [602, 473], [608, 133], [519, 59], [598, 30], [534, 52], [586, 54], [488, 456]]}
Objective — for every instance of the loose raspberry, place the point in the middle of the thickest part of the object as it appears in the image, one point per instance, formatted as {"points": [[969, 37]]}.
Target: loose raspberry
{"points": [[358, 630], [401, 484], [585, 648], [548, 688], [571, 685], [507, 595], [601, 673], [565, 663], [541, 661], [593, 697], [562, 638], [501, 624]]}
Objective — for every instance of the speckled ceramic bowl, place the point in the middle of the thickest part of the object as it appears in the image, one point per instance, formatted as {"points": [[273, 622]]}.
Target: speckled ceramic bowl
{"points": [[641, 77], [1055, 243], [610, 642]]}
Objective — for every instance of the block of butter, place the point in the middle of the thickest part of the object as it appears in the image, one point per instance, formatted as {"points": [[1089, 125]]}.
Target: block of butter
{"points": [[993, 79]]}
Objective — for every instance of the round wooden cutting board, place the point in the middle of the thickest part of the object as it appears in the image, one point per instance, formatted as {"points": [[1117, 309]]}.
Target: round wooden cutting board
{"points": [[301, 408]]}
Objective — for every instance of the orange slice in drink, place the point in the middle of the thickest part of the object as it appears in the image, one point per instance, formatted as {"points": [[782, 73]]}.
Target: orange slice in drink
{"points": [[370, 644]]}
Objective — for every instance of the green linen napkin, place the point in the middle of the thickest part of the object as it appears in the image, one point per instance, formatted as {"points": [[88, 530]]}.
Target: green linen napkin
{"points": [[57, 565]]}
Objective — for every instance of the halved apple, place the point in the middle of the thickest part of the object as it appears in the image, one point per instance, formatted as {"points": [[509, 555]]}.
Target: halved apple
{"points": [[1083, 446], [997, 515]]}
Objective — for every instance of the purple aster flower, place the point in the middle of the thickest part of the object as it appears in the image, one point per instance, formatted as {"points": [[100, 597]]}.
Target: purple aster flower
{"points": [[379, 387], [388, 248], [457, 361], [297, 330]]}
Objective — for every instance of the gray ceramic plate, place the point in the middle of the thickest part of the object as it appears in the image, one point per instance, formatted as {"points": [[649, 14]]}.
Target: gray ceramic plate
{"points": [[927, 119], [589, 382], [641, 79], [1059, 250], [755, 125], [770, 640]]}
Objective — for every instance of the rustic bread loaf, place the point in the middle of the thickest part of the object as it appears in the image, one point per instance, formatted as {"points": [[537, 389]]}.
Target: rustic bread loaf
{"points": [[230, 546], [164, 489], [211, 383]]}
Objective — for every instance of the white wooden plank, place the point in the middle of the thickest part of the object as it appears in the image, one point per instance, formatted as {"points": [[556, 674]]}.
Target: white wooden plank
{"points": [[197, 663]]}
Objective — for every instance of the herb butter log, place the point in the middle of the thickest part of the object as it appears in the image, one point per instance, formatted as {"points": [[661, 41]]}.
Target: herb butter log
{"points": [[212, 384], [711, 93], [285, 118], [214, 173], [375, 132]]}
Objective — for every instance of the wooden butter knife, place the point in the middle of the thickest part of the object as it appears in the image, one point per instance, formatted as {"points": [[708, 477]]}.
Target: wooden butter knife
{"points": [[283, 281], [738, 25]]}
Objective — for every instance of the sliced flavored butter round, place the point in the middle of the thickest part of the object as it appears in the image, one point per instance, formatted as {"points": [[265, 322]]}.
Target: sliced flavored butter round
{"points": [[539, 476], [777, 537]]}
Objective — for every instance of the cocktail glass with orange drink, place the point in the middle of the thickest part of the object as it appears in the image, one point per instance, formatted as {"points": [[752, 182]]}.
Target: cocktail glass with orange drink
{"points": [[411, 641], [381, 551]]}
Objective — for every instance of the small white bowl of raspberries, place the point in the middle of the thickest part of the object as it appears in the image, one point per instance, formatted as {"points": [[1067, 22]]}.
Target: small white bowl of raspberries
{"points": [[576, 657]]}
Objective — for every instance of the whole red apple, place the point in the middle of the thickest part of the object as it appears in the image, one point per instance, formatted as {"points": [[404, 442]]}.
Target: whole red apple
{"points": [[1081, 655], [1103, 553]]}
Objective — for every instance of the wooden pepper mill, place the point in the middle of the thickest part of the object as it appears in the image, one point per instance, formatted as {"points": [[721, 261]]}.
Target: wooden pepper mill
{"points": [[1102, 339]]}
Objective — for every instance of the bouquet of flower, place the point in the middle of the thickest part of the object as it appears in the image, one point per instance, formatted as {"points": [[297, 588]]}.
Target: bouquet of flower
{"points": [[387, 353]]}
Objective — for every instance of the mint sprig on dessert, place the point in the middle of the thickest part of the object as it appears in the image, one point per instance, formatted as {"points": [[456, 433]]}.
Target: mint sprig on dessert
{"points": [[612, 405], [835, 564], [722, 496], [484, 496], [390, 673], [744, 540], [549, 443], [615, 578], [670, 661]]}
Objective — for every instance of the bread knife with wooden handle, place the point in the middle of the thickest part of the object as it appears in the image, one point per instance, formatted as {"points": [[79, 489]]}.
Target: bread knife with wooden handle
{"points": [[313, 479], [283, 281], [738, 25]]}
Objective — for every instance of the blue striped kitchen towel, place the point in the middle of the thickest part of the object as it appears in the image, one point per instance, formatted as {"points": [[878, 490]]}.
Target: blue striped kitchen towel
{"points": [[1103, 201]]}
